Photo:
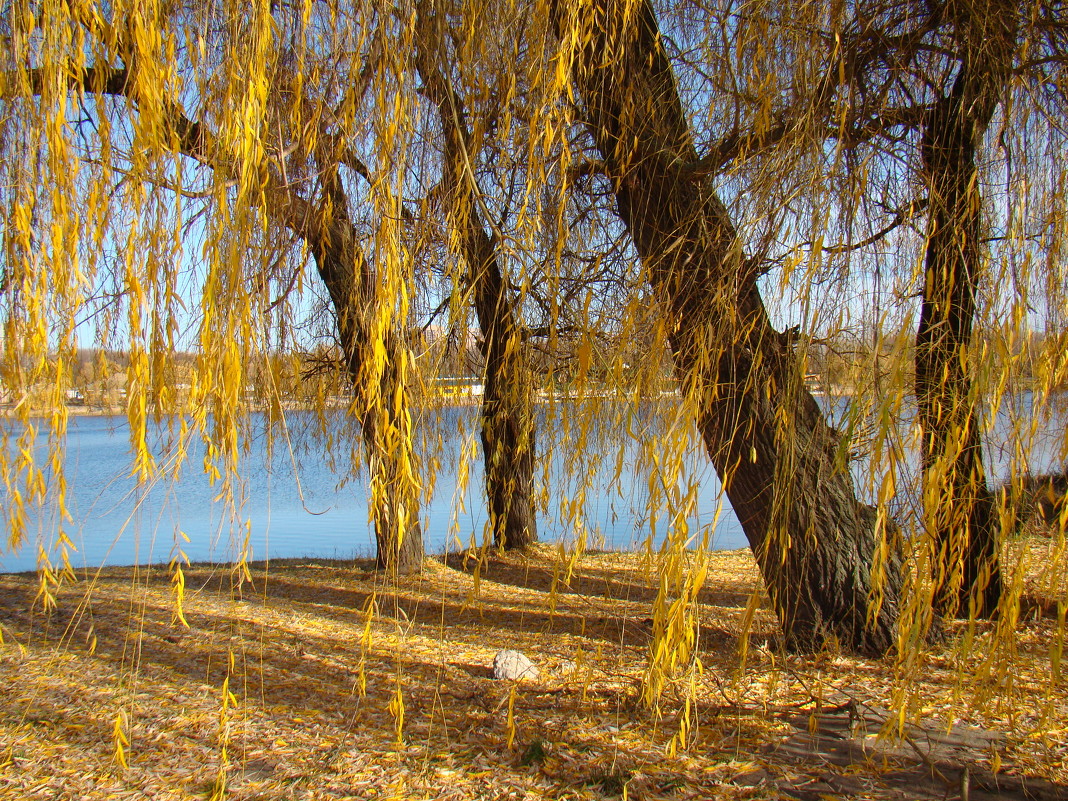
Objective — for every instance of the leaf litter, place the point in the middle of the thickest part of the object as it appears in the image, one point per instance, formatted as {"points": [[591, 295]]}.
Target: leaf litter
{"points": [[321, 679]]}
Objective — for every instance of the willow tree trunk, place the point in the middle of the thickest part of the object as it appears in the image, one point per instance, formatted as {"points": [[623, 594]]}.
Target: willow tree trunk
{"points": [[827, 560], [508, 444], [380, 385], [959, 508], [508, 440], [388, 442]]}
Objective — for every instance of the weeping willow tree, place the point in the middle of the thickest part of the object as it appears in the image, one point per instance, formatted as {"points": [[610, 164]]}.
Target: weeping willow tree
{"points": [[819, 548], [844, 95], [624, 182], [508, 435], [128, 71], [929, 93]]}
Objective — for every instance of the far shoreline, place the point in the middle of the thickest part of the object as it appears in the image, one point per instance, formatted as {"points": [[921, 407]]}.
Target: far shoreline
{"points": [[366, 564]]}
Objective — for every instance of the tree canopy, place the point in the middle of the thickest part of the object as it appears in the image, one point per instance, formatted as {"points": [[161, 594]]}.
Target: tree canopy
{"points": [[683, 207]]}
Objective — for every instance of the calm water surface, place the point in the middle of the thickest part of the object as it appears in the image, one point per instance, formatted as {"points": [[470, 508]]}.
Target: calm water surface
{"points": [[294, 499], [297, 498]]}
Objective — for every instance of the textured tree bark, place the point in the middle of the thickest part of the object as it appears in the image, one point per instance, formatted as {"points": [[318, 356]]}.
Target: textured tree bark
{"points": [[388, 441], [508, 443], [508, 440], [381, 391], [959, 508], [828, 561]]}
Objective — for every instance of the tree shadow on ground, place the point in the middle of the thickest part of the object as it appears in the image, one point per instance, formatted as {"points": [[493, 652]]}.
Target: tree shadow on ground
{"points": [[546, 574], [292, 643], [926, 762]]}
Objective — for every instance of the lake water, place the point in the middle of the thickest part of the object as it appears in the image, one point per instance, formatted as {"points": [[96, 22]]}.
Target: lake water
{"points": [[298, 499]]}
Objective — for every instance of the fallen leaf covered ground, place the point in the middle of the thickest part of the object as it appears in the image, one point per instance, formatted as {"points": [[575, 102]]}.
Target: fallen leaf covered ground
{"points": [[323, 680]]}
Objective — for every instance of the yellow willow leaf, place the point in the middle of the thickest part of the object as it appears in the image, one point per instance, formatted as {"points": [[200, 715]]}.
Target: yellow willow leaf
{"points": [[218, 791], [178, 590], [119, 740], [510, 724], [585, 356], [396, 710]]}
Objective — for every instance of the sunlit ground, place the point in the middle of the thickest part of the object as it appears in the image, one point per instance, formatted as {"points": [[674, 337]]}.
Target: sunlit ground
{"points": [[318, 680]]}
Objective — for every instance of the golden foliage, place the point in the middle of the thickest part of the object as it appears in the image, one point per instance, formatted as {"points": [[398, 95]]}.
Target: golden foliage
{"points": [[172, 172]]}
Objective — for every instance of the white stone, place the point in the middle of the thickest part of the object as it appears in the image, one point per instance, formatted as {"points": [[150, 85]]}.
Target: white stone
{"points": [[513, 665]]}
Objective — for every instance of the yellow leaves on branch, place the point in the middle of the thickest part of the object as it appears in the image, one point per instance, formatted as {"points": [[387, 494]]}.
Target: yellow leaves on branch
{"points": [[178, 582], [119, 740], [396, 710]]}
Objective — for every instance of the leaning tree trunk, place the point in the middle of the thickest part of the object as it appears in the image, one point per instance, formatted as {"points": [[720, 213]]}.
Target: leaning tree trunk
{"points": [[828, 560], [959, 508], [380, 387], [508, 445]]}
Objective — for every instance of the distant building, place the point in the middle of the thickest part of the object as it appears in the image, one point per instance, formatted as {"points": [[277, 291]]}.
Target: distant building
{"points": [[458, 386]]}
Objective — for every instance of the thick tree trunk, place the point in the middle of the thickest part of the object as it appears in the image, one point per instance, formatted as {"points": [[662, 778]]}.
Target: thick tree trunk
{"points": [[959, 507], [388, 442], [381, 390], [507, 415], [829, 564], [508, 442]]}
